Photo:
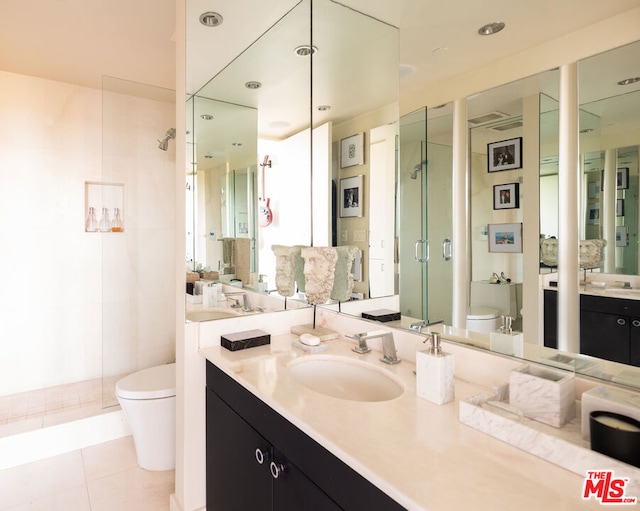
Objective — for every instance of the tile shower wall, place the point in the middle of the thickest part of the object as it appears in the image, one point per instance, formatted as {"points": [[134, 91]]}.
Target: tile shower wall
{"points": [[52, 296]]}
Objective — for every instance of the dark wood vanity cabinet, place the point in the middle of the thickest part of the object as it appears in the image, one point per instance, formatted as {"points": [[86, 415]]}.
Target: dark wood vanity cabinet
{"points": [[258, 461], [609, 327]]}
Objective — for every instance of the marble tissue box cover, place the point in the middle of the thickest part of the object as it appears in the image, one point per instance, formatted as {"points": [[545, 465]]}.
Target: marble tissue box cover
{"points": [[608, 399], [543, 394]]}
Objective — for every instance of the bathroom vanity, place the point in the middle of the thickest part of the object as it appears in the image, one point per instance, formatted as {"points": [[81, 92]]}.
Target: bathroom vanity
{"points": [[609, 326], [398, 453], [282, 467]]}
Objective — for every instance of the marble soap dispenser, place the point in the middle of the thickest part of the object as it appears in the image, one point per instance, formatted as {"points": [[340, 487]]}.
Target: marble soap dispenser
{"points": [[506, 341], [434, 372]]}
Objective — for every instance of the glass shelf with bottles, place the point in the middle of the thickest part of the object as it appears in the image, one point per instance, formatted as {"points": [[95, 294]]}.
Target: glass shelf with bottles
{"points": [[104, 207]]}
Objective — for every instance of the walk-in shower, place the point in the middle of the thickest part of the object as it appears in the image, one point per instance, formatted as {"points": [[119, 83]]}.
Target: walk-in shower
{"points": [[164, 143]]}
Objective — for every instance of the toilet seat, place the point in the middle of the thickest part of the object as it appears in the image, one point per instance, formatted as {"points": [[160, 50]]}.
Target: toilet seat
{"points": [[481, 313], [152, 383]]}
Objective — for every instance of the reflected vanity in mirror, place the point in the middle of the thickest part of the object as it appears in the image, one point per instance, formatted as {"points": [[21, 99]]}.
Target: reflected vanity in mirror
{"points": [[609, 120]]}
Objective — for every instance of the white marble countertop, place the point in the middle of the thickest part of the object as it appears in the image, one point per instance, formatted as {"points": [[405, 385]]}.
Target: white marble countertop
{"points": [[417, 452]]}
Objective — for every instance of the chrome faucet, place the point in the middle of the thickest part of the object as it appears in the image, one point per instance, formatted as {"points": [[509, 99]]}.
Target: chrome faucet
{"points": [[389, 353], [417, 327], [246, 304]]}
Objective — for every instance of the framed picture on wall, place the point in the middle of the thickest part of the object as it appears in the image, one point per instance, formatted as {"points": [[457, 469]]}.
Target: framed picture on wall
{"points": [[505, 238], [593, 214], [504, 155], [619, 207], [351, 195], [352, 151], [622, 178], [506, 196], [622, 236]]}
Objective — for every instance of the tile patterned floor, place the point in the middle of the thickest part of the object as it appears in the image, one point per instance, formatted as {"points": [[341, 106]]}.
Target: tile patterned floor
{"points": [[104, 477]]}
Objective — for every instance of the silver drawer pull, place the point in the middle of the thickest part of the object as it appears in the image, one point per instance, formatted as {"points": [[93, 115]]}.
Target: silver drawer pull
{"points": [[277, 469], [621, 321], [261, 456]]}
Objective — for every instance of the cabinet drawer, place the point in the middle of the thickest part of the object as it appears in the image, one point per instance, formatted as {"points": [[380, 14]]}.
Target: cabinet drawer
{"points": [[610, 305]]}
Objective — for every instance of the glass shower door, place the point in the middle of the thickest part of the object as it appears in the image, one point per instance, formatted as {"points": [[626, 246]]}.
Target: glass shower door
{"points": [[425, 215]]}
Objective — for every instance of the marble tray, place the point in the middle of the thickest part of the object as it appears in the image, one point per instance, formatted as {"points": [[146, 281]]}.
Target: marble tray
{"points": [[565, 447]]}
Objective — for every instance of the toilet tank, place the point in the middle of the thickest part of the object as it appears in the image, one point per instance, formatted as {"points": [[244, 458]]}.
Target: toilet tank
{"points": [[507, 298]]}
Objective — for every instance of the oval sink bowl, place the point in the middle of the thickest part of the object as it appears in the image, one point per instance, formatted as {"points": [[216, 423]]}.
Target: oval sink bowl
{"points": [[208, 315], [345, 378]]}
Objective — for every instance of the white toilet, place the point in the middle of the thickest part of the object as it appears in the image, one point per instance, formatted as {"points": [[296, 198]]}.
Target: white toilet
{"points": [[148, 399], [483, 319]]}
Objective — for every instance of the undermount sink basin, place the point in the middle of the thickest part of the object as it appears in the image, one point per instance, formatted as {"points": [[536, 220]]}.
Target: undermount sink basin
{"points": [[210, 314], [345, 378]]}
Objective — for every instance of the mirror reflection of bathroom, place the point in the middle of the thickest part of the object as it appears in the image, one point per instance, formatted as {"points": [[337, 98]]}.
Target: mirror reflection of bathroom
{"points": [[500, 120]]}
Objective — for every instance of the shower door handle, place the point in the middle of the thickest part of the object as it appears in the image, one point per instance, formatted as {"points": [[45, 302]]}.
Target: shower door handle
{"points": [[446, 249], [417, 248]]}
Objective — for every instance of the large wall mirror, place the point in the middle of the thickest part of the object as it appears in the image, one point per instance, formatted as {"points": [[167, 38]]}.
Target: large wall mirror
{"points": [[609, 125], [267, 132]]}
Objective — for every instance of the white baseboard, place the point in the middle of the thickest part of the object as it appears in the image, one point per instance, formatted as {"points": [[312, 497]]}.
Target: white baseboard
{"points": [[54, 440], [174, 505]]}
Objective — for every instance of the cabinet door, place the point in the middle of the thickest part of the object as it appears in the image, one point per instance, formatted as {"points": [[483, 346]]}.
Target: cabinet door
{"points": [[294, 491], [605, 336], [634, 342], [236, 481]]}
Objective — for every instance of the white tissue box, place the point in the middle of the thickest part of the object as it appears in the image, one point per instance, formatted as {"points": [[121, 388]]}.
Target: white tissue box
{"points": [[543, 394]]}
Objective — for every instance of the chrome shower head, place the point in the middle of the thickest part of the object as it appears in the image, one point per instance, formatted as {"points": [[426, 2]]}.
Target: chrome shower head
{"points": [[416, 169], [164, 143]]}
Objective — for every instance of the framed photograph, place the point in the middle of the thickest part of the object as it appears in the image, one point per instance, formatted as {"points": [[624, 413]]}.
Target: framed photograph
{"points": [[506, 196], [622, 236], [351, 195], [505, 238], [504, 155], [352, 151], [619, 207], [622, 178], [593, 214]]}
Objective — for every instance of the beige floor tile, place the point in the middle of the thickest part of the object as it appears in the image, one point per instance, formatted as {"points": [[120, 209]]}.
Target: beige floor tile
{"points": [[132, 490], [43, 478], [73, 499], [109, 458]]}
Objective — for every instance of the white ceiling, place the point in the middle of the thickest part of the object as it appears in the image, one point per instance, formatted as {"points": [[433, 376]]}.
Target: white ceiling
{"points": [[79, 41]]}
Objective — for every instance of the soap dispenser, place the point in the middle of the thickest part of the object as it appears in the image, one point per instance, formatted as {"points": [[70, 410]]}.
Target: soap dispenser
{"points": [[434, 372], [505, 340]]}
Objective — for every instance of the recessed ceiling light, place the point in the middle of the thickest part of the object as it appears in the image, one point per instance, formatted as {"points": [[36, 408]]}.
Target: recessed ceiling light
{"points": [[629, 81], [236, 144], [253, 85], [206, 117], [491, 28], [438, 52], [211, 19], [586, 130], [324, 108], [305, 50]]}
